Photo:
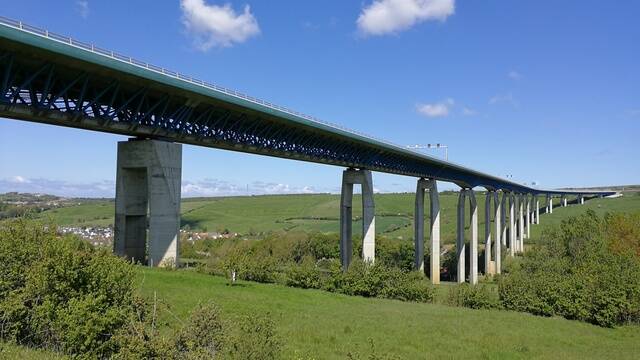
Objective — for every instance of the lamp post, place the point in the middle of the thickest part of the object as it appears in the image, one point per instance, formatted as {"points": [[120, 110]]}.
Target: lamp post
{"points": [[432, 146]]}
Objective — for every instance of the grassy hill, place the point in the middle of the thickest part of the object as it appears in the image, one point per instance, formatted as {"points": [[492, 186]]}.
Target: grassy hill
{"points": [[319, 212], [322, 325]]}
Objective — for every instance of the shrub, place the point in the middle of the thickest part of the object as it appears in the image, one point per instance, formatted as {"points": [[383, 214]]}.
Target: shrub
{"points": [[306, 275], [474, 297], [60, 293], [379, 280], [579, 272], [254, 338]]}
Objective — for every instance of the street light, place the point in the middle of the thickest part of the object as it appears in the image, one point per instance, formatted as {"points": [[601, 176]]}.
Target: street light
{"points": [[432, 146]]}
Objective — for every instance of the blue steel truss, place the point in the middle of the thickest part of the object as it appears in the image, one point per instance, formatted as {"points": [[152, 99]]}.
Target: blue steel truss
{"points": [[42, 85]]}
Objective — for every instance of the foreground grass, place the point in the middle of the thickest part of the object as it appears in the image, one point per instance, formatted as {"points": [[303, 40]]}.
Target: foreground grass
{"points": [[323, 325], [15, 352]]}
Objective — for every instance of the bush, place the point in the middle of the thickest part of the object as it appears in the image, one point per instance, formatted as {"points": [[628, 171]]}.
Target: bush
{"points": [[379, 280], [305, 275], [474, 297], [60, 293], [579, 272]]}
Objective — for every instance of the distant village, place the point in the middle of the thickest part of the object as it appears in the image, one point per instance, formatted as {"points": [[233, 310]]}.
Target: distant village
{"points": [[103, 236]]}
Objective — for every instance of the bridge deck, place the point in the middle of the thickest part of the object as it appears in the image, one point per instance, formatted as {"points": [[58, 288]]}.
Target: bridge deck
{"points": [[48, 78]]}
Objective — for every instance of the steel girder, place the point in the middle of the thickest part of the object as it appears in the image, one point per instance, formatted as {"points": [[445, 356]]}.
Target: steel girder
{"points": [[53, 93], [62, 91]]}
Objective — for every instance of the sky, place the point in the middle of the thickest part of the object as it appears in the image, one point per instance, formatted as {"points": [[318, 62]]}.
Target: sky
{"points": [[544, 92]]}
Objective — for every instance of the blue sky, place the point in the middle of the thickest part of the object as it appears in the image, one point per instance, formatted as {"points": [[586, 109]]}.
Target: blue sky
{"points": [[546, 91]]}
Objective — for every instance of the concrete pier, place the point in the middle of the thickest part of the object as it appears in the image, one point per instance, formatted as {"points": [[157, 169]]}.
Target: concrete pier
{"points": [[487, 233], [349, 178], [473, 242], [473, 251], [581, 198], [434, 202], [550, 199], [564, 200], [521, 219], [148, 198], [460, 243], [537, 211], [512, 225], [499, 218], [527, 219], [503, 218]]}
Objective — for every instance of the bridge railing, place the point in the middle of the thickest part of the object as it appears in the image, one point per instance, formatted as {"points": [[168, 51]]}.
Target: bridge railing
{"points": [[174, 74]]}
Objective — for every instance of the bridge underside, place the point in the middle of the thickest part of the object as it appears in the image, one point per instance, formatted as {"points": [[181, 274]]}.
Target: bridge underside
{"points": [[43, 86]]}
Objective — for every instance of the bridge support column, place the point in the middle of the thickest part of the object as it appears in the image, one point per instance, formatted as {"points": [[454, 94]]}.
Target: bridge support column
{"points": [[148, 197], [564, 200], [434, 213], [581, 198], [503, 218], [522, 229], [550, 199], [498, 223], [512, 225], [349, 178], [527, 219], [537, 211], [473, 243], [488, 269]]}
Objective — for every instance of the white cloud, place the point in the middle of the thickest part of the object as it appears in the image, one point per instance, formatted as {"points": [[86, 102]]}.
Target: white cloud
{"points": [[19, 180], [106, 188], [439, 109], [217, 26], [391, 16], [57, 187], [468, 111], [215, 187], [82, 7], [514, 75], [503, 98]]}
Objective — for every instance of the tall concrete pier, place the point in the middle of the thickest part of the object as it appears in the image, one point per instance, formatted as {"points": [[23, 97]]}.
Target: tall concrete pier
{"points": [[148, 198], [434, 202], [349, 178]]}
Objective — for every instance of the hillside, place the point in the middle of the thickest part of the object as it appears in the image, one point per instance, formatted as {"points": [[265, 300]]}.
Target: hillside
{"points": [[318, 212]]}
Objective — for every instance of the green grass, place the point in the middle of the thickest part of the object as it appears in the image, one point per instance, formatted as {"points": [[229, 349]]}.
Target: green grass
{"points": [[320, 213], [16, 352], [322, 325]]}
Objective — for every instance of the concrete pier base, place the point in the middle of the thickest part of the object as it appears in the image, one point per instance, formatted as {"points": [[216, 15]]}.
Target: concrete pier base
{"points": [[349, 178], [148, 198], [431, 186]]}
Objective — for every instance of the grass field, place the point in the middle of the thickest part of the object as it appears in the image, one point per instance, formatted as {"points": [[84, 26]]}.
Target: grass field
{"points": [[394, 213], [322, 325]]}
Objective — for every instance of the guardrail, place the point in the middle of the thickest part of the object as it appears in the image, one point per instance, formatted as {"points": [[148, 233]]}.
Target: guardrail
{"points": [[174, 74]]}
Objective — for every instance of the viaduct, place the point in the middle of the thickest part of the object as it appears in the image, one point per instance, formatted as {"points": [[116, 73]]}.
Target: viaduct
{"points": [[53, 79]]}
